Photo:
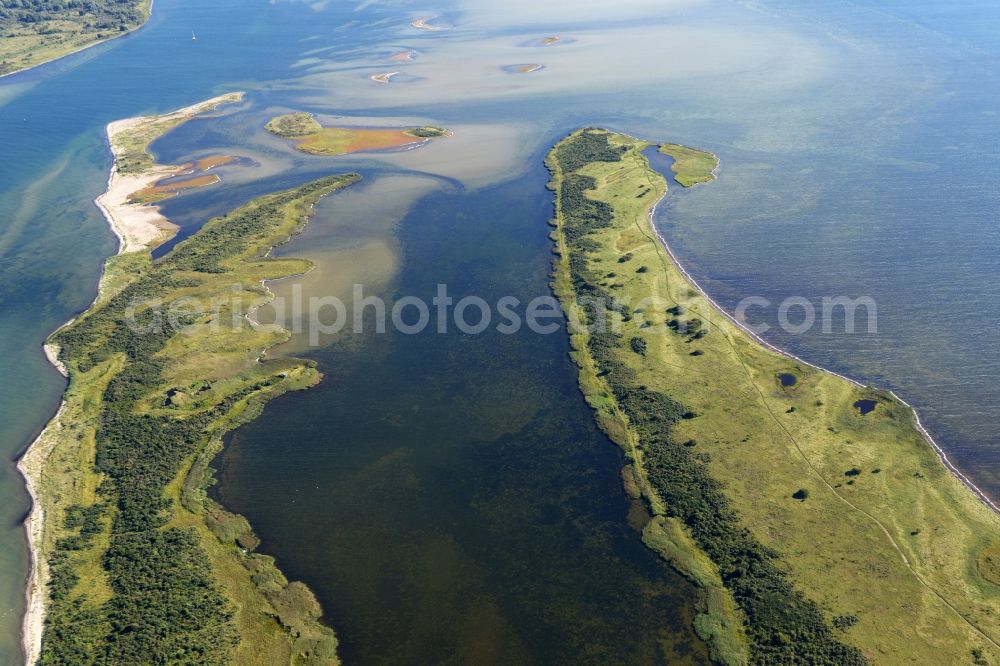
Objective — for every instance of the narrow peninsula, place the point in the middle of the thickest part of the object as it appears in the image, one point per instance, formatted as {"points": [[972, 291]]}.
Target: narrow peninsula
{"points": [[133, 563], [819, 532], [309, 136]]}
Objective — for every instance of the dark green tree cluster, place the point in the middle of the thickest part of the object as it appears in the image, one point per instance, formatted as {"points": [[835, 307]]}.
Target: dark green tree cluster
{"points": [[426, 132], [589, 145], [783, 626]]}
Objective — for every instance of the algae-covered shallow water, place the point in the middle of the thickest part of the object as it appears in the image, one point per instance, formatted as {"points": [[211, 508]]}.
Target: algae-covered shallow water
{"points": [[448, 496], [459, 478]]}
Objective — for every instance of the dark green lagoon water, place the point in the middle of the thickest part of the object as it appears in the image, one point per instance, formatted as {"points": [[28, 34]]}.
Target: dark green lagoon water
{"points": [[459, 478], [447, 496]]}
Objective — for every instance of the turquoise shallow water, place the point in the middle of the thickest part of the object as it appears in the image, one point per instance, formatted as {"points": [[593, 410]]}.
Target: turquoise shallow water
{"points": [[447, 496]]}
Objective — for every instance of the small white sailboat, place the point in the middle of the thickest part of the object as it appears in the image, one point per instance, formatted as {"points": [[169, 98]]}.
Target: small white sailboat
{"points": [[192, 36]]}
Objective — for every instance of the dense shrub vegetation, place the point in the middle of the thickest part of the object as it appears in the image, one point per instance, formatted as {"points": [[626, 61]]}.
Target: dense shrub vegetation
{"points": [[590, 145], [782, 625], [165, 607], [426, 132]]}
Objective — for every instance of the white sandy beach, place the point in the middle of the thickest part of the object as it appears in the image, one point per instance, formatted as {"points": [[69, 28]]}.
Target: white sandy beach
{"points": [[141, 226], [137, 226], [30, 466]]}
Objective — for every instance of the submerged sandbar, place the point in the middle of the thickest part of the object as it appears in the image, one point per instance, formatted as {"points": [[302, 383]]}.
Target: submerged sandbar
{"points": [[551, 40], [422, 24], [523, 68]]}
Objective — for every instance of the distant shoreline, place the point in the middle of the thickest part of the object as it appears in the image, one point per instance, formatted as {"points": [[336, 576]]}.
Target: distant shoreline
{"points": [[103, 40]]}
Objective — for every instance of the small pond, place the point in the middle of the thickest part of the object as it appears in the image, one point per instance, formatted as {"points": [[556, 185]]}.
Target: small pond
{"points": [[865, 406]]}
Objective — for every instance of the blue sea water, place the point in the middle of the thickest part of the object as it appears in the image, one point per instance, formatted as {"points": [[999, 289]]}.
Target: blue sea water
{"points": [[449, 496]]}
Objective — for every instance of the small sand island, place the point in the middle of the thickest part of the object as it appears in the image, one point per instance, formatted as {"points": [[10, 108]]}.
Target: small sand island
{"points": [[551, 40], [523, 68], [132, 563], [384, 77], [817, 518], [137, 181], [423, 24], [403, 56], [312, 138]]}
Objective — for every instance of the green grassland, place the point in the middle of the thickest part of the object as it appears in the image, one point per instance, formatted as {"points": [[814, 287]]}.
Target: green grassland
{"points": [[131, 147], [888, 559], [293, 125], [142, 567], [691, 166], [313, 138], [35, 32]]}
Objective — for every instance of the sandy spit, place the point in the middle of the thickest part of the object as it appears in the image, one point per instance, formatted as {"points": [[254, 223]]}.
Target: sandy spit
{"points": [[139, 226]]}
